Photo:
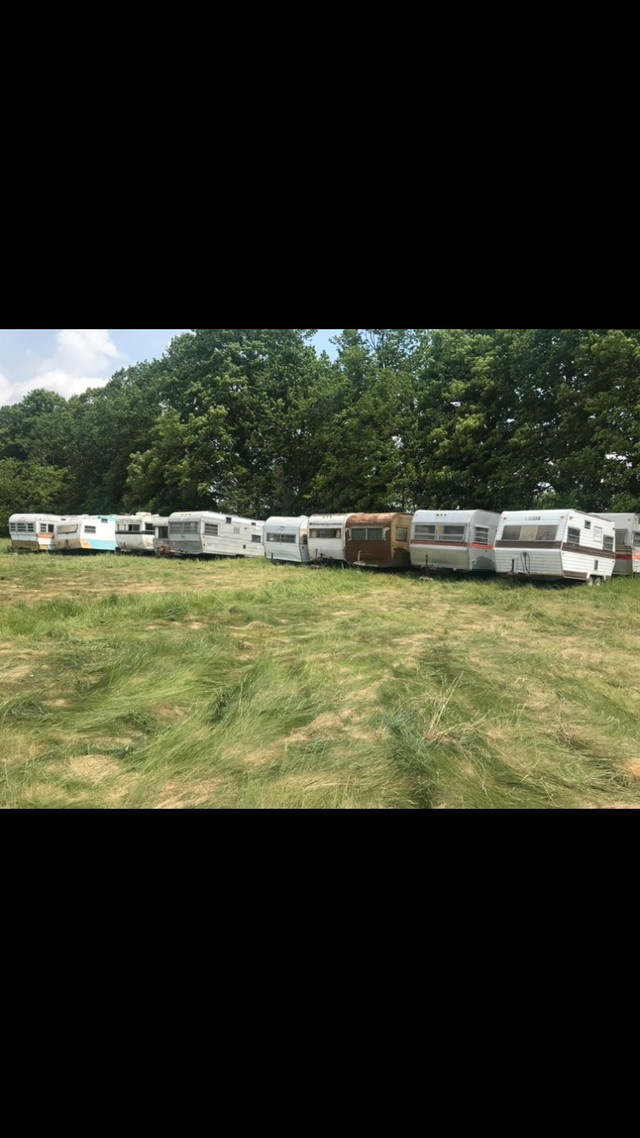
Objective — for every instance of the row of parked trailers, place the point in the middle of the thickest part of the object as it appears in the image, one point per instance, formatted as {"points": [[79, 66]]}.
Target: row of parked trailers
{"points": [[546, 544]]}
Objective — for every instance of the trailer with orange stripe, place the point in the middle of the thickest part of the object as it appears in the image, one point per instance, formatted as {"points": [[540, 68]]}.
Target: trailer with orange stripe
{"points": [[453, 541], [32, 532], [627, 560]]}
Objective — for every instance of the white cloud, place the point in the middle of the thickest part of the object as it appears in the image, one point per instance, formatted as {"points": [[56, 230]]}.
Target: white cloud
{"points": [[85, 350], [83, 358], [5, 390]]}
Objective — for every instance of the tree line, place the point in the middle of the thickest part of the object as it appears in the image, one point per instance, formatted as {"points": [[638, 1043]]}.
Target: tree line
{"points": [[256, 422]]}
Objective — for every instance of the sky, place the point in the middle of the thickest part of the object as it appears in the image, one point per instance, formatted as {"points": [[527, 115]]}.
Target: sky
{"points": [[69, 360]]}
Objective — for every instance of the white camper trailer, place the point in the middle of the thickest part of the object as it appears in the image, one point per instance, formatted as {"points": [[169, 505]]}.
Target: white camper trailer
{"points": [[86, 533], [203, 533], [453, 540], [327, 537], [32, 532], [134, 533], [555, 545], [160, 533], [286, 539], [627, 559]]}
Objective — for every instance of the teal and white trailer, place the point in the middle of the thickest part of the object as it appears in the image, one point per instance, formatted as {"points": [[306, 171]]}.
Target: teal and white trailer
{"points": [[86, 533]]}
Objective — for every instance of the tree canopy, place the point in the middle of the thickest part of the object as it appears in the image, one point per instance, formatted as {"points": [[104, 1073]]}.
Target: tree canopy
{"points": [[255, 422]]}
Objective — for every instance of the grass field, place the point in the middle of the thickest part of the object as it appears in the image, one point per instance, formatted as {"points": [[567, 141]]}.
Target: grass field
{"points": [[144, 683]]}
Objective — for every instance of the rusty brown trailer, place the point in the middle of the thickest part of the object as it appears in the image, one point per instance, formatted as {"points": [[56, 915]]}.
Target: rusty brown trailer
{"points": [[378, 541]]}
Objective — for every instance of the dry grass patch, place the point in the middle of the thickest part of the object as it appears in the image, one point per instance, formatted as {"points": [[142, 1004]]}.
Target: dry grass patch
{"points": [[93, 768]]}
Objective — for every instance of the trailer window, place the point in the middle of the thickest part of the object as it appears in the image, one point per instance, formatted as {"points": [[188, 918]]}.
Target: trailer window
{"points": [[636, 539], [69, 528], [451, 533], [529, 533], [439, 532], [366, 533], [444, 533], [178, 528], [286, 537], [148, 527], [89, 529], [50, 528], [481, 535], [573, 535], [587, 523], [255, 537], [607, 541], [402, 533], [211, 528], [325, 532], [597, 533], [228, 520], [162, 531]]}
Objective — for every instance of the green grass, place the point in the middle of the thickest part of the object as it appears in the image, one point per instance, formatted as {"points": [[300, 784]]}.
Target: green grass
{"points": [[137, 683]]}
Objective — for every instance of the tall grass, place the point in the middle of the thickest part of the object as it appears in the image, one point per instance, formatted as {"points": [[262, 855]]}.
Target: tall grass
{"points": [[137, 683]]}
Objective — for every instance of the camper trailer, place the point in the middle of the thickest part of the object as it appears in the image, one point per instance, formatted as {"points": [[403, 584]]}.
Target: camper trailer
{"points": [[134, 533], [286, 539], [86, 533], [32, 533], [202, 533], [453, 540], [378, 541], [555, 545], [327, 538], [160, 533], [627, 560]]}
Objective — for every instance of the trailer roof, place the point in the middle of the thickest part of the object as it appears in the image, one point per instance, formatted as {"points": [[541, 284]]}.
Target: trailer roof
{"points": [[447, 515], [217, 516], [533, 515], [285, 520], [379, 519], [44, 517]]}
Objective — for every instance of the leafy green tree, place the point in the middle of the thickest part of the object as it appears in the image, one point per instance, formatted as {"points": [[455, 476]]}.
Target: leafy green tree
{"points": [[108, 425], [597, 434], [259, 384], [188, 466], [29, 488], [364, 460], [35, 429]]}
